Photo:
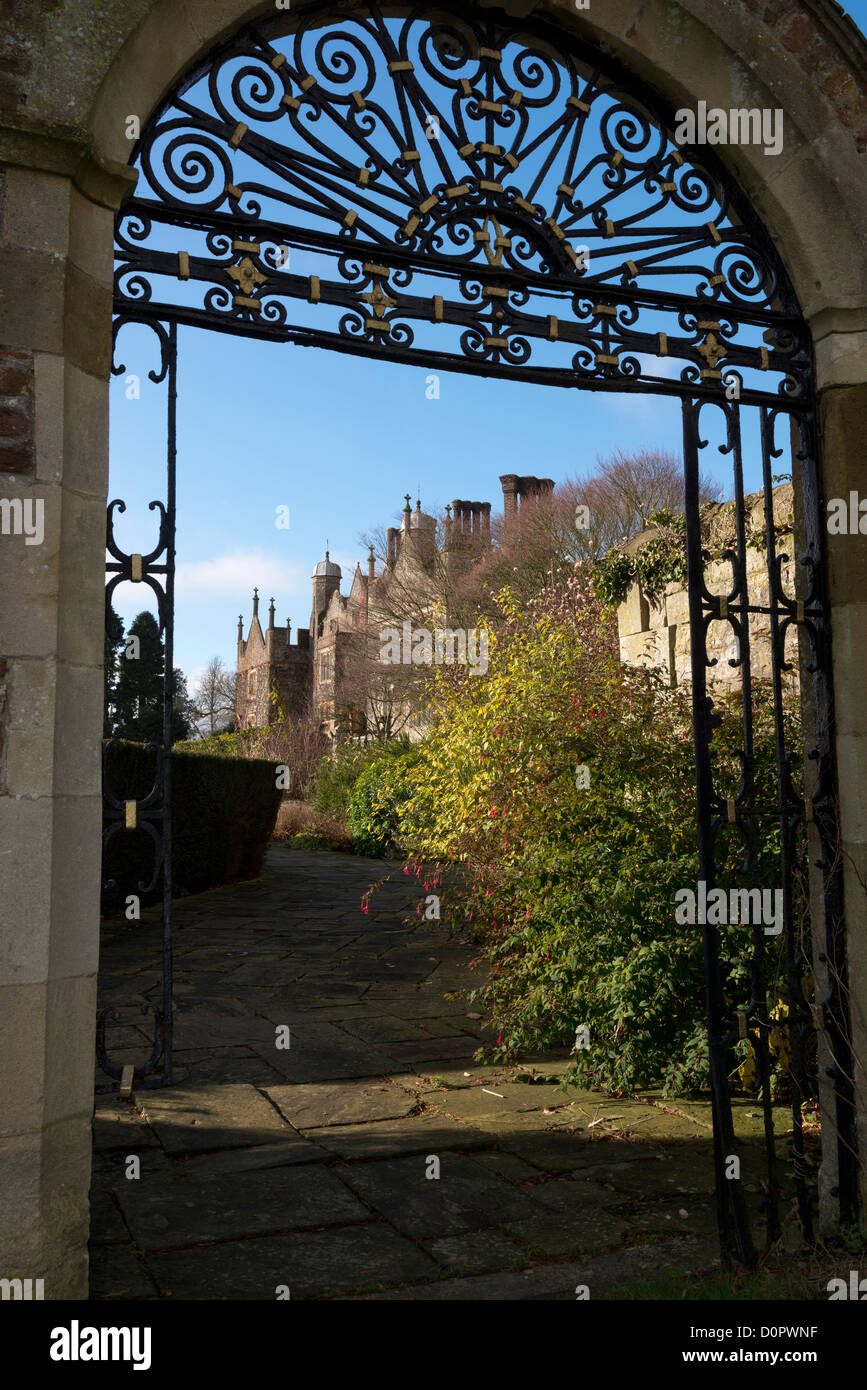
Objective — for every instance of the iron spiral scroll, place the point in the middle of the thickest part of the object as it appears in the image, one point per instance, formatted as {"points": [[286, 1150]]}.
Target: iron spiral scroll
{"points": [[456, 190]]}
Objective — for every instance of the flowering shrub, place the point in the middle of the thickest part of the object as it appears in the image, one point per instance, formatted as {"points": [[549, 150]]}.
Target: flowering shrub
{"points": [[571, 887]]}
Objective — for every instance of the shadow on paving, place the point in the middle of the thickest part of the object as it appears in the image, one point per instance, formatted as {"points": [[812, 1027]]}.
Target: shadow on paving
{"points": [[370, 1157]]}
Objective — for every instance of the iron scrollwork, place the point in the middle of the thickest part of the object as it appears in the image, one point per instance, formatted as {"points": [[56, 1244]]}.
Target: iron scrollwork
{"points": [[456, 149]]}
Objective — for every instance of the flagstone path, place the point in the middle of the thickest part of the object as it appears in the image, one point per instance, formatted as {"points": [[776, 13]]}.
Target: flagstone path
{"points": [[309, 1169]]}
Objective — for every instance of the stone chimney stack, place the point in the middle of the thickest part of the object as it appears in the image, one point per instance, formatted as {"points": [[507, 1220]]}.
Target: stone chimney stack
{"points": [[509, 483], [393, 534], [521, 492]]}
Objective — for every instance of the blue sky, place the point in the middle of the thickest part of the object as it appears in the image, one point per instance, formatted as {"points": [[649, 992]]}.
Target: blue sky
{"points": [[338, 440]]}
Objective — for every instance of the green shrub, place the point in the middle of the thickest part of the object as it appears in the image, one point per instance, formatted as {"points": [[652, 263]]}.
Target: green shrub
{"points": [[323, 833], [307, 840], [235, 745], [336, 775], [375, 802], [223, 813], [571, 888]]}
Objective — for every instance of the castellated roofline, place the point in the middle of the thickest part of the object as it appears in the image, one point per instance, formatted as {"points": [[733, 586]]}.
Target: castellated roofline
{"points": [[273, 638]]}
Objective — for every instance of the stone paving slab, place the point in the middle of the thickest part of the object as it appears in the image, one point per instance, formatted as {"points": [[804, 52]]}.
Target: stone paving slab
{"points": [[382, 1028], [308, 1107], [309, 1265], [117, 1125], [507, 1166], [251, 1070], [196, 1027], [175, 1210], [675, 1174], [112, 1164], [418, 1005], [584, 1234], [498, 1099], [433, 1050], [323, 1052], [187, 1118], [305, 1167], [292, 1148], [694, 1215], [109, 1227], [561, 1281], [481, 1252], [422, 1134], [461, 1199]]}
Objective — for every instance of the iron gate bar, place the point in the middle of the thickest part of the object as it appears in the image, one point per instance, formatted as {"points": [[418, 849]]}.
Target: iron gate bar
{"points": [[737, 613], [431, 262], [153, 812], [600, 333], [496, 29], [797, 1011], [732, 1220], [306, 338]]}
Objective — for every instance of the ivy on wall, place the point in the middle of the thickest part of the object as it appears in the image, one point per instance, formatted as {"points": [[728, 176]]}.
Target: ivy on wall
{"points": [[661, 560]]}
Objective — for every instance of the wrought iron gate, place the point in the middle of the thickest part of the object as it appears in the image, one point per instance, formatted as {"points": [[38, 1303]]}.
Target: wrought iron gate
{"points": [[799, 802], [467, 192]]}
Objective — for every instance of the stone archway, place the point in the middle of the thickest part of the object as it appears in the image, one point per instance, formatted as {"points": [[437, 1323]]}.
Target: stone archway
{"points": [[64, 103]]}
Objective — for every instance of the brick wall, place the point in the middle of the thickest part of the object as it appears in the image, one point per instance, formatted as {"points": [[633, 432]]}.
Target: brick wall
{"points": [[828, 47]]}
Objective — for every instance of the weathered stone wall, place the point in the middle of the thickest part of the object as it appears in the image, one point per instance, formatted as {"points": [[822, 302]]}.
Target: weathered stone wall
{"points": [[268, 660], [657, 634]]}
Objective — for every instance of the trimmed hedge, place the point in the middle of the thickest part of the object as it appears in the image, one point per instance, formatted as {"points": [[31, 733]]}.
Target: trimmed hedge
{"points": [[223, 814]]}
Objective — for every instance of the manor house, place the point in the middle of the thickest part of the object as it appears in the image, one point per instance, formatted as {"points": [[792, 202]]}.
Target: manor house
{"points": [[317, 670]]}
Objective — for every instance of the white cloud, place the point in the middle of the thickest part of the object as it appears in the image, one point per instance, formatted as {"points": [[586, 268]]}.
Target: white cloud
{"points": [[194, 676], [234, 574]]}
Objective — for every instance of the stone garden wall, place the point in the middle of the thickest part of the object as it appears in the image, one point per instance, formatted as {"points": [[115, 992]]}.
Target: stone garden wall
{"points": [[657, 634]]}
